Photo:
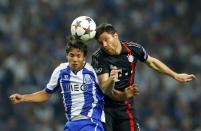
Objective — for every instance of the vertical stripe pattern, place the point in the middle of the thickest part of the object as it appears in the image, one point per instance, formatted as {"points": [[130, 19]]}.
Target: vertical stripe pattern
{"points": [[130, 115], [80, 90]]}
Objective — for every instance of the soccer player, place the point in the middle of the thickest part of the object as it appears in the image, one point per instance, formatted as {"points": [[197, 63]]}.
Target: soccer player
{"points": [[123, 56], [82, 97]]}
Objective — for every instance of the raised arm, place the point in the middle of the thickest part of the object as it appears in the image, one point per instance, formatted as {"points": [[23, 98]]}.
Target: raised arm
{"points": [[161, 67], [40, 96]]}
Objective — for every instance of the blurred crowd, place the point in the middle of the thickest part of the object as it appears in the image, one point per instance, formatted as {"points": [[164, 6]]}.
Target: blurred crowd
{"points": [[32, 43]]}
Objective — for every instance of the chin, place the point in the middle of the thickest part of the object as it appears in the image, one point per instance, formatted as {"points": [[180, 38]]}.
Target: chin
{"points": [[112, 53], [109, 52]]}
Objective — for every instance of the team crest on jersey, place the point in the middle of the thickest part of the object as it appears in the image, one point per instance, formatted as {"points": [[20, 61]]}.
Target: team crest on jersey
{"points": [[130, 58], [87, 79]]}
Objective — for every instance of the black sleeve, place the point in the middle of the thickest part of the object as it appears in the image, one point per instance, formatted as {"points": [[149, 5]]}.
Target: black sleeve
{"points": [[139, 51], [99, 65]]}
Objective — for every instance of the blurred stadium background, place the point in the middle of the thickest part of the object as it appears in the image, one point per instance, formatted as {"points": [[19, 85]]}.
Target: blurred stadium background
{"points": [[32, 41]]}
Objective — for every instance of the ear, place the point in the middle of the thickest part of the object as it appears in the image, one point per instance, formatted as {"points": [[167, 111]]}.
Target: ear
{"points": [[116, 35]]}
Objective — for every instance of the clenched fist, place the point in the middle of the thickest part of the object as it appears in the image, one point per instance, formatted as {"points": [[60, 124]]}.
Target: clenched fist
{"points": [[16, 98]]}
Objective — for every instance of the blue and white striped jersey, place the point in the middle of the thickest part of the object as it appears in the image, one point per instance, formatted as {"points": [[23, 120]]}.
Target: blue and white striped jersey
{"points": [[81, 91]]}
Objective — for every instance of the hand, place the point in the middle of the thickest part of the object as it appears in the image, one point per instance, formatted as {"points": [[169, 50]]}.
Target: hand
{"points": [[184, 77], [128, 93], [16, 98], [131, 91]]}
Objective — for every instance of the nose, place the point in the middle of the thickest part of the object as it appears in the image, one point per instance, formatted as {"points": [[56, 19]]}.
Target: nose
{"points": [[74, 59]]}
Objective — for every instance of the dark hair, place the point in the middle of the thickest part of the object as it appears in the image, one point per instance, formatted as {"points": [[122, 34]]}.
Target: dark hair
{"points": [[105, 27], [73, 42]]}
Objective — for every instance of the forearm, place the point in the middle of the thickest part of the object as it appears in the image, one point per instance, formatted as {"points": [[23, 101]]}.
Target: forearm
{"points": [[40, 96], [161, 67], [107, 86], [108, 89]]}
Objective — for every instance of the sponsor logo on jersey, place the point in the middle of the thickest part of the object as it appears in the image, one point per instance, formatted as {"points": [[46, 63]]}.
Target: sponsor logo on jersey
{"points": [[76, 87], [98, 70]]}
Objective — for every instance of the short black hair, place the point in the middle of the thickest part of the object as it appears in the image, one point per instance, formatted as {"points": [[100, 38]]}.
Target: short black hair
{"points": [[73, 42], [105, 27]]}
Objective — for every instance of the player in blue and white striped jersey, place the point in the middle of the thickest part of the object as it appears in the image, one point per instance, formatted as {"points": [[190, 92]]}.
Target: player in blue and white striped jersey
{"points": [[82, 97], [80, 89]]}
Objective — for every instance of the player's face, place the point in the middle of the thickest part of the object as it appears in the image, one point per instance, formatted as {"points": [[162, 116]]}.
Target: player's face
{"points": [[76, 59], [109, 42]]}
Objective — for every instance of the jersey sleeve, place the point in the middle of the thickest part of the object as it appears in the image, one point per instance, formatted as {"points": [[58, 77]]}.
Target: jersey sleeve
{"points": [[139, 51], [53, 83], [99, 65]]}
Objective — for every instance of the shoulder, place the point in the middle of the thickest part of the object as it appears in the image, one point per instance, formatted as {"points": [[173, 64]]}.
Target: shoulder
{"points": [[134, 45], [138, 50], [57, 71], [98, 53], [97, 56], [89, 67]]}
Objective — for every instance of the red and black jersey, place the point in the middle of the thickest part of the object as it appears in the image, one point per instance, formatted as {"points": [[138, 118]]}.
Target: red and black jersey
{"points": [[126, 62]]}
